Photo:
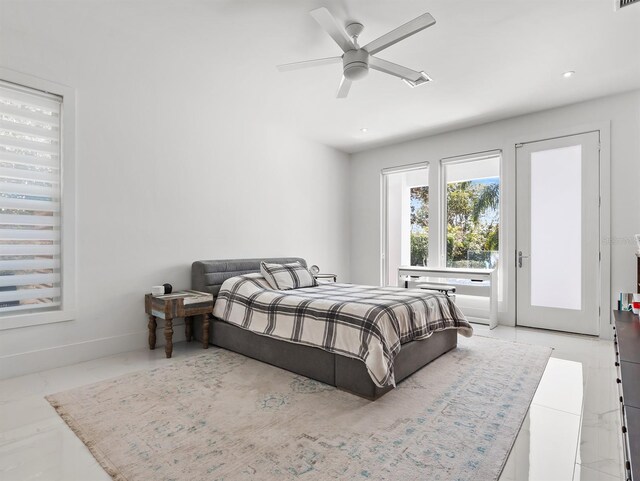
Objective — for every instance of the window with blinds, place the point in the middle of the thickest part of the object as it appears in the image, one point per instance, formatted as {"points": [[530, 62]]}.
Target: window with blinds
{"points": [[30, 195]]}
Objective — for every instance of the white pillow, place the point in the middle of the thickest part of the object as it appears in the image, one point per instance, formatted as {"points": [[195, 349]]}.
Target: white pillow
{"points": [[283, 277]]}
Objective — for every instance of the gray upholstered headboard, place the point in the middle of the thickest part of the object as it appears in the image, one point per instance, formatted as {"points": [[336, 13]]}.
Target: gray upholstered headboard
{"points": [[208, 276]]}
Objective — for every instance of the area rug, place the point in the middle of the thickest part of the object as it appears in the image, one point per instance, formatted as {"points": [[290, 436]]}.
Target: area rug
{"points": [[223, 416]]}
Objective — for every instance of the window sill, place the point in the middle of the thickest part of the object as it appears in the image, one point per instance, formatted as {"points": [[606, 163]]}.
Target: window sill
{"points": [[17, 321]]}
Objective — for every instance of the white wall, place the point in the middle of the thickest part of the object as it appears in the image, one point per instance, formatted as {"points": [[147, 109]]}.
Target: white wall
{"points": [[621, 112], [175, 162]]}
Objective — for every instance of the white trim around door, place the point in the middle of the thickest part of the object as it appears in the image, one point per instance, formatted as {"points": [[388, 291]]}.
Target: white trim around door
{"points": [[558, 231]]}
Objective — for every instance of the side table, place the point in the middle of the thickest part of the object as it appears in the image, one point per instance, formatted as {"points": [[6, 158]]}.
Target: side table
{"points": [[326, 276], [168, 307]]}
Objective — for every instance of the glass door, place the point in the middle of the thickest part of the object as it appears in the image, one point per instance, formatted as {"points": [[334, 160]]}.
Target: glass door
{"points": [[557, 255]]}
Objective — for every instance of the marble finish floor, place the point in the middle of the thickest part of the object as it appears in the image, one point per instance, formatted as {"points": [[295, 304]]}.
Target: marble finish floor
{"points": [[571, 432]]}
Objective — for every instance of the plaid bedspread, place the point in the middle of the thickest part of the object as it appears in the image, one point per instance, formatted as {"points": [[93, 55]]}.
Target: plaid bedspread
{"points": [[363, 322]]}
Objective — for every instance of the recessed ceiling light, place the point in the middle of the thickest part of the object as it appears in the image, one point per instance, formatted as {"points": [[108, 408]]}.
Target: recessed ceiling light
{"points": [[568, 74], [364, 130]]}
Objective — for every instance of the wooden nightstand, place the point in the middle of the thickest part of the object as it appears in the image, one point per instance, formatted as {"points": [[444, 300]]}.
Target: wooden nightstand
{"points": [[186, 304]]}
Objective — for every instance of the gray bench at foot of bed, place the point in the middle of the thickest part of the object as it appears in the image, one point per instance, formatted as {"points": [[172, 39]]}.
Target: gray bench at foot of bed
{"points": [[343, 372]]}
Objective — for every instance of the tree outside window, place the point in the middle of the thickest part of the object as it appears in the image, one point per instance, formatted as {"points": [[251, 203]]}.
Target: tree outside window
{"points": [[473, 221], [419, 225]]}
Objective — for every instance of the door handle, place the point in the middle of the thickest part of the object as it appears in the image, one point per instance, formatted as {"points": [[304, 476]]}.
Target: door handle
{"points": [[520, 257]]}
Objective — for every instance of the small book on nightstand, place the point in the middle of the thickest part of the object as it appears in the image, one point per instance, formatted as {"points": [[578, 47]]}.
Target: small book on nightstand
{"points": [[190, 297]]}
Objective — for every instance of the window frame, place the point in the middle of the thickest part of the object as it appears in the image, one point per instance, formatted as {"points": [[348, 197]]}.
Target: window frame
{"points": [[67, 309], [384, 214], [442, 198]]}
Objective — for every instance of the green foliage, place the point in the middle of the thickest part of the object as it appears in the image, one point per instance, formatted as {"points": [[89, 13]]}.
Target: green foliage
{"points": [[472, 224], [420, 207], [419, 248], [460, 201], [488, 199], [420, 225]]}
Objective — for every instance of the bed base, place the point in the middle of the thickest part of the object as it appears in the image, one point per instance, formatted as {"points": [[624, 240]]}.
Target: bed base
{"points": [[343, 372]]}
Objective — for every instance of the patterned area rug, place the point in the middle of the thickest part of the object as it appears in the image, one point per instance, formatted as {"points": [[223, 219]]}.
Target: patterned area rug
{"points": [[222, 416]]}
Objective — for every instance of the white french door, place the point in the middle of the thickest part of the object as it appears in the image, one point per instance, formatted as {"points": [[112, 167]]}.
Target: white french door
{"points": [[557, 255]]}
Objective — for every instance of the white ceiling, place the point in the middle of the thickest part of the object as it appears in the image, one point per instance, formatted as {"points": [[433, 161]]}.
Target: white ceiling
{"points": [[489, 60]]}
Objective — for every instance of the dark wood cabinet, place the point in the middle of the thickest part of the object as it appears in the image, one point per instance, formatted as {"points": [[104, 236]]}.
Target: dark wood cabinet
{"points": [[638, 274], [627, 345]]}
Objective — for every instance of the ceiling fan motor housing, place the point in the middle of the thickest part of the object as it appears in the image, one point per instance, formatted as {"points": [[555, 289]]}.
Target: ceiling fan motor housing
{"points": [[355, 64]]}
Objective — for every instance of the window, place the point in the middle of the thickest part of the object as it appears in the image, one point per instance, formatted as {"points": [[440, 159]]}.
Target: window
{"points": [[472, 211], [444, 215], [419, 242], [406, 232], [33, 289]]}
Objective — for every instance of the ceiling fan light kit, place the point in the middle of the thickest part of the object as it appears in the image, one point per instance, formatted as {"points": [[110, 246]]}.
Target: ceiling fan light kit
{"points": [[355, 64], [356, 60]]}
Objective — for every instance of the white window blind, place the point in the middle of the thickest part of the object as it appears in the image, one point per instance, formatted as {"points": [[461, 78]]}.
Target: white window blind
{"points": [[30, 193]]}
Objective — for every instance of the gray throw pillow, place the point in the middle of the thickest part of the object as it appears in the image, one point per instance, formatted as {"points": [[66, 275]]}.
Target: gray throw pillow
{"points": [[283, 277]]}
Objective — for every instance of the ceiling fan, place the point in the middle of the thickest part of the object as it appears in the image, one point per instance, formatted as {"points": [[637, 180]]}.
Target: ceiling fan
{"points": [[357, 60]]}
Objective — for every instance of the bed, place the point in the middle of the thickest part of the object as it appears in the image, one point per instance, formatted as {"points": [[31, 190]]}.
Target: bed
{"points": [[393, 357]]}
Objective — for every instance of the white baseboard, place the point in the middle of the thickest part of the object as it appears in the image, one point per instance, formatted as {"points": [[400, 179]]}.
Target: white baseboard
{"points": [[58, 356], [478, 320]]}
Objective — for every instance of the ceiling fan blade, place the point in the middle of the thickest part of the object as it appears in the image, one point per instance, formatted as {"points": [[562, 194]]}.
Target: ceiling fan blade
{"points": [[343, 90], [308, 63], [395, 69], [400, 33], [331, 26]]}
